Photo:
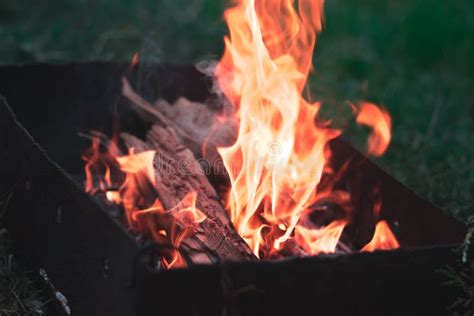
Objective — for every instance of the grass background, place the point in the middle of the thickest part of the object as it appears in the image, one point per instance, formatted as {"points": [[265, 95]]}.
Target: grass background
{"points": [[414, 57]]}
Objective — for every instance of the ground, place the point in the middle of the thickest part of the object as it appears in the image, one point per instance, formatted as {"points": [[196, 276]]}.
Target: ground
{"points": [[415, 57], [19, 295]]}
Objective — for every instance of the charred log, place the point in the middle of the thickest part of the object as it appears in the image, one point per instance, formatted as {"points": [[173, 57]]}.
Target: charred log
{"points": [[177, 173], [197, 127]]}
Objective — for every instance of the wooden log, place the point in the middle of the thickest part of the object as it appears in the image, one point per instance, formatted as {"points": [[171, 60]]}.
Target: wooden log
{"points": [[177, 173], [197, 127]]}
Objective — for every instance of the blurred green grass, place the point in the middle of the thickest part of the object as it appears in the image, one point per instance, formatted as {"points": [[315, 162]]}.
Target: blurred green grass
{"points": [[414, 57]]}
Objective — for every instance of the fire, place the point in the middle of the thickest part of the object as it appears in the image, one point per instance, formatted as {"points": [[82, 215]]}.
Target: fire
{"points": [[383, 239], [99, 162], [170, 227], [137, 190], [134, 60], [380, 122], [143, 211], [317, 240], [113, 197], [281, 151], [280, 165]]}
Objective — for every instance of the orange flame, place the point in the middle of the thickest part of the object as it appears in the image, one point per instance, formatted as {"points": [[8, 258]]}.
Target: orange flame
{"points": [[381, 124], [136, 191], [324, 240], [280, 153], [165, 227], [383, 239], [143, 211], [98, 165], [141, 162], [186, 216], [277, 164], [91, 159], [177, 224]]}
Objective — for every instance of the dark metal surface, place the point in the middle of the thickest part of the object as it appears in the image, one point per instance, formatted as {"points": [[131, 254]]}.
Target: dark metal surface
{"points": [[402, 282], [55, 226], [417, 222], [55, 102], [90, 258]]}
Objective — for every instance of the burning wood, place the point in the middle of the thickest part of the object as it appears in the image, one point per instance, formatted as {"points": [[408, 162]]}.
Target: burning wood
{"points": [[281, 153], [44, 199], [162, 182], [176, 174], [196, 126], [273, 146]]}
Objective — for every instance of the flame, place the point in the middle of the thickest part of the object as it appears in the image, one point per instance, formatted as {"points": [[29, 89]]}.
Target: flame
{"points": [[177, 224], [166, 227], [99, 160], [379, 120], [280, 165], [135, 59], [143, 210], [141, 162], [324, 240], [113, 197], [186, 216], [137, 191], [281, 152], [383, 239]]}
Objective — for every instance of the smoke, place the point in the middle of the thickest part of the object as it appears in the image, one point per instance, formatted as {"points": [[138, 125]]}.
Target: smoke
{"points": [[218, 100]]}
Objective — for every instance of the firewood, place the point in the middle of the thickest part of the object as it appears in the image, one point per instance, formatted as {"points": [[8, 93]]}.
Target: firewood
{"points": [[197, 127], [178, 173]]}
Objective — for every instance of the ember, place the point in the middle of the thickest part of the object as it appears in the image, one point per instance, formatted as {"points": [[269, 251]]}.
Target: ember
{"points": [[279, 164]]}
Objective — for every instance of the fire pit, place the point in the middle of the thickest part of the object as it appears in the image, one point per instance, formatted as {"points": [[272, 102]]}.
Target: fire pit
{"points": [[101, 270], [222, 187]]}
